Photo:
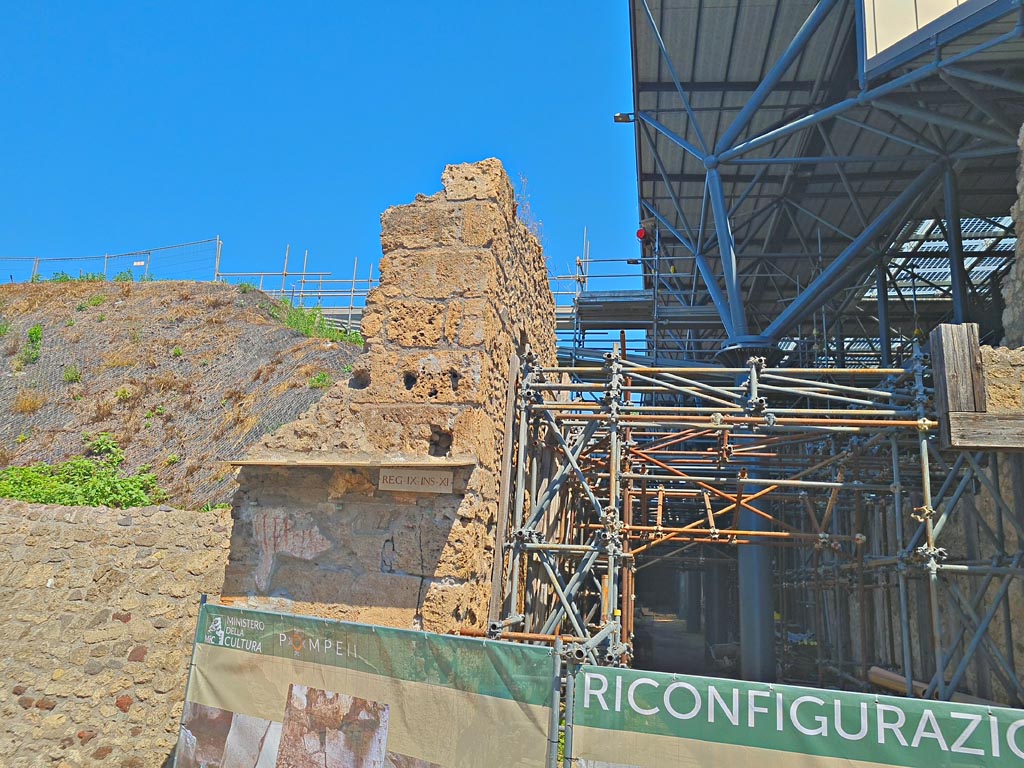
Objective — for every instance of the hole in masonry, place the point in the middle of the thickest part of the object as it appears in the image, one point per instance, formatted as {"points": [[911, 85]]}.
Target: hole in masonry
{"points": [[440, 441], [409, 380]]}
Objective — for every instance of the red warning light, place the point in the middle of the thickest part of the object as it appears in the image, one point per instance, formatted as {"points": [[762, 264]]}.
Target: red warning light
{"points": [[641, 234]]}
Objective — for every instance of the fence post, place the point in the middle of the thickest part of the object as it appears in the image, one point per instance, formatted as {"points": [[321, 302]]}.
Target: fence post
{"points": [[216, 262], [352, 292], [284, 274], [302, 280], [556, 706], [570, 708]]}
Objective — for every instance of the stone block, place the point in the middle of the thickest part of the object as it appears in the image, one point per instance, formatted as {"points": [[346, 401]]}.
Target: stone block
{"points": [[405, 429], [467, 552], [474, 434], [427, 376], [297, 582], [436, 273], [482, 223], [385, 598], [415, 323], [419, 544], [344, 481], [485, 180], [425, 224], [449, 605]]}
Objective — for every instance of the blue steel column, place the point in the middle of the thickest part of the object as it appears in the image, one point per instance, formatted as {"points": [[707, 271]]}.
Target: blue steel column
{"points": [[727, 252], [954, 237], [884, 335], [757, 621]]}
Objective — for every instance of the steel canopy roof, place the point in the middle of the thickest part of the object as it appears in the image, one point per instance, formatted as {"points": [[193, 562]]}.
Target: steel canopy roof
{"points": [[797, 202]]}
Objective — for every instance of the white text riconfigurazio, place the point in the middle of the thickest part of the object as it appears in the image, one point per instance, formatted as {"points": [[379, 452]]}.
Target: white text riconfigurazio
{"points": [[807, 714]]}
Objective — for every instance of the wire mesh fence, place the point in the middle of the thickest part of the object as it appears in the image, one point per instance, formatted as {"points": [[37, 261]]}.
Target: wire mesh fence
{"points": [[185, 261], [340, 301]]}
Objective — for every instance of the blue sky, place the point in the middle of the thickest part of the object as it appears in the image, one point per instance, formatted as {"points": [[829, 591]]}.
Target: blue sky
{"points": [[134, 125]]}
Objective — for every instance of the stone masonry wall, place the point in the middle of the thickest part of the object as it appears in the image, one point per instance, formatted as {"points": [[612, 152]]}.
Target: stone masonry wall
{"points": [[463, 285], [97, 615]]}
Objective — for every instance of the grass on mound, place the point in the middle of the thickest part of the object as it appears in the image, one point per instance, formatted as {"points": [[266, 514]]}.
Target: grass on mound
{"points": [[311, 323], [92, 480]]}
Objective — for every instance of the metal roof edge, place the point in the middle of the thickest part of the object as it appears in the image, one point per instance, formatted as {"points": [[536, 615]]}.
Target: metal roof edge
{"points": [[954, 24]]}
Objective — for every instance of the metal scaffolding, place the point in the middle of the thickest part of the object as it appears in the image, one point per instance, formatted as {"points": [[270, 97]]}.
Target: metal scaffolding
{"points": [[884, 550]]}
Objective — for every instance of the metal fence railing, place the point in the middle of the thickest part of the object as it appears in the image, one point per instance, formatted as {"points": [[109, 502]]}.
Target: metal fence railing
{"points": [[185, 261], [341, 301]]}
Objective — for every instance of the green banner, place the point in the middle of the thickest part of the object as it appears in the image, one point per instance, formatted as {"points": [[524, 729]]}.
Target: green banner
{"points": [[268, 690], [631, 719]]}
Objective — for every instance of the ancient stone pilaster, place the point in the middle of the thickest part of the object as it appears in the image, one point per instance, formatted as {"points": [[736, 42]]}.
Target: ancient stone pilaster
{"points": [[463, 284]]}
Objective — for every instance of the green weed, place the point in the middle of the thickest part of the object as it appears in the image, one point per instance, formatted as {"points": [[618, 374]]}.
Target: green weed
{"points": [[320, 381], [30, 353], [208, 507], [311, 323], [93, 480]]}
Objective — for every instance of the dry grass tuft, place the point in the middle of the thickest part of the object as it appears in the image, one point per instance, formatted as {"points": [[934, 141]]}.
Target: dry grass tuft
{"points": [[28, 401], [224, 469], [307, 370], [103, 410], [287, 385], [235, 393], [122, 357], [168, 382], [245, 425]]}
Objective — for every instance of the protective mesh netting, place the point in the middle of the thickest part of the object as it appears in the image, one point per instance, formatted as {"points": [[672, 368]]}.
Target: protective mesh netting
{"points": [[184, 375]]}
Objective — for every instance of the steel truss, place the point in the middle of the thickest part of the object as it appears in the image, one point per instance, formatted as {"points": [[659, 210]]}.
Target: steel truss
{"points": [[790, 202], [885, 549]]}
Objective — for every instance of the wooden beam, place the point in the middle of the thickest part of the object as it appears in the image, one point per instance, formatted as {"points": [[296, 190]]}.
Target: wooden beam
{"points": [[958, 375], [986, 431]]}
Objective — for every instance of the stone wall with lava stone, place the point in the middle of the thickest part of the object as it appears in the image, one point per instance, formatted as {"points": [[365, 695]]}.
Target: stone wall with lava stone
{"points": [[463, 286], [97, 615]]}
